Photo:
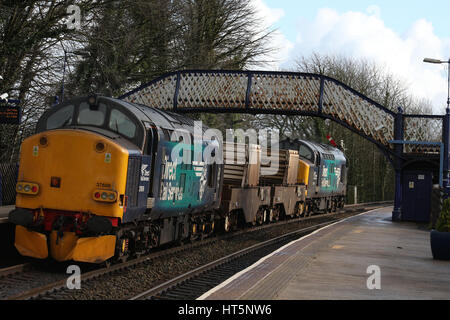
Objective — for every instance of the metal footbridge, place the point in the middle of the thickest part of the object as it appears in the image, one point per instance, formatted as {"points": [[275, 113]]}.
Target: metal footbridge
{"points": [[405, 139]]}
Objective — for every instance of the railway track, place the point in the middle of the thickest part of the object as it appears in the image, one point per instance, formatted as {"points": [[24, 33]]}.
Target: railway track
{"points": [[30, 282], [14, 269], [193, 284]]}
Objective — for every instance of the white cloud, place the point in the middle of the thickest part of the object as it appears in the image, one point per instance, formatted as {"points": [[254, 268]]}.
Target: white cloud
{"points": [[268, 17], [374, 10], [364, 35]]}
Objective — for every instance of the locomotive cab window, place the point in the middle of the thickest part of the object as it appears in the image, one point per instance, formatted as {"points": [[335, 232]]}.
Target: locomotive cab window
{"points": [[106, 114], [119, 122], [60, 118], [89, 116], [306, 153]]}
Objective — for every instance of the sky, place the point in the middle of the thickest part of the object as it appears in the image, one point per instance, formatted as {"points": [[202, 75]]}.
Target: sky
{"points": [[395, 34]]}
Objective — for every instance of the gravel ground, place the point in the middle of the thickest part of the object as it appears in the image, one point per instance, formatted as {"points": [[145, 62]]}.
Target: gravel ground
{"points": [[128, 283]]}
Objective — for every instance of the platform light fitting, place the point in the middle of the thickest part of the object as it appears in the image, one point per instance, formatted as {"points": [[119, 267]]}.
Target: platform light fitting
{"points": [[430, 60], [437, 61]]}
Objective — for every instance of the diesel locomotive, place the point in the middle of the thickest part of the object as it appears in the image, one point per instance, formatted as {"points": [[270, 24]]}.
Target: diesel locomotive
{"points": [[99, 182]]}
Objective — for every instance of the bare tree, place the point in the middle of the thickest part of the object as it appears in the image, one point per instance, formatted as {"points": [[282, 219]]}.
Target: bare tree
{"points": [[31, 33], [222, 34], [121, 44]]}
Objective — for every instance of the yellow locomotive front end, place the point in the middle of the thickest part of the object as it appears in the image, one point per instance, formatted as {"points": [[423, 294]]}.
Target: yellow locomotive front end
{"points": [[70, 195]]}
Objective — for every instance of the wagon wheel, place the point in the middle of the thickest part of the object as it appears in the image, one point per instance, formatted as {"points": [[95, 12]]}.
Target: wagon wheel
{"points": [[260, 216], [276, 213], [299, 209], [305, 210], [228, 223]]}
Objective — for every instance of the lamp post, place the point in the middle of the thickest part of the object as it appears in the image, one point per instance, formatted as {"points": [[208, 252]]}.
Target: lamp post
{"points": [[445, 133], [436, 61]]}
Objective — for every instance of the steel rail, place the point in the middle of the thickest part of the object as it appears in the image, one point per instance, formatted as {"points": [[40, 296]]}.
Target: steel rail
{"points": [[14, 269]]}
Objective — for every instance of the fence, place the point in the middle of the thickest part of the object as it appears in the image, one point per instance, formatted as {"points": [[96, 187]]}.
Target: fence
{"points": [[8, 173]]}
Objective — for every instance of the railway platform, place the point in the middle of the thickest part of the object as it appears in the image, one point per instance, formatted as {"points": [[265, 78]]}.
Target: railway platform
{"points": [[4, 211], [363, 257]]}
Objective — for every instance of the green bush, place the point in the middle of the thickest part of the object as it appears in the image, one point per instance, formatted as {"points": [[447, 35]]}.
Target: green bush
{"points": [[443, 222]]}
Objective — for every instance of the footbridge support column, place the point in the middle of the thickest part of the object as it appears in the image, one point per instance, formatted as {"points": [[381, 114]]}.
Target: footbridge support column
{"points": [[446, 164], [398, 149]]}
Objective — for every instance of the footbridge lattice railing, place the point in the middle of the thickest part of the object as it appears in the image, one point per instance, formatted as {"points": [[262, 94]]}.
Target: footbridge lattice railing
{"points": [[290, 94]]}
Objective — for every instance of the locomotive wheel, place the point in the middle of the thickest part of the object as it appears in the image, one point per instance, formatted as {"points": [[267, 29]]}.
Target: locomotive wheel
{"points": [[328, 208], [194, 233]]}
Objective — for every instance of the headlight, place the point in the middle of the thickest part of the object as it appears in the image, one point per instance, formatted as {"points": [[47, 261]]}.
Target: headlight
{"points": [[29, 188], [104, 195]]}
